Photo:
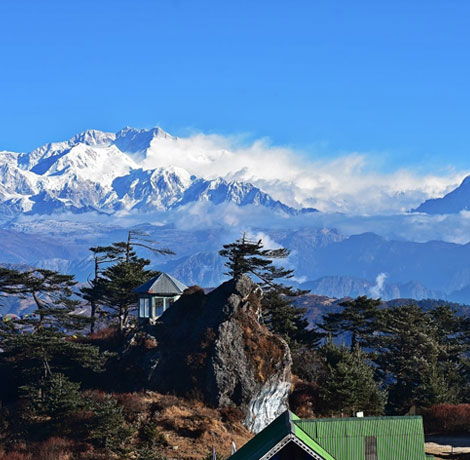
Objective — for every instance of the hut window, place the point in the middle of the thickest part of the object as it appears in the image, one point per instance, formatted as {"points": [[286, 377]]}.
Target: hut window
{"points": [[144, 307], [371, 448], [159, 304]]}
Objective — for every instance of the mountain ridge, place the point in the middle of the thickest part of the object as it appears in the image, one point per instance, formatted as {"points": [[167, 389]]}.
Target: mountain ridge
{"points": [[104, 172], [453, 202]]}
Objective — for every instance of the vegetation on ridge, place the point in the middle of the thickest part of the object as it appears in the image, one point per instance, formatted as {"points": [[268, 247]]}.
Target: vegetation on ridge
{"points": [[68, 392]]}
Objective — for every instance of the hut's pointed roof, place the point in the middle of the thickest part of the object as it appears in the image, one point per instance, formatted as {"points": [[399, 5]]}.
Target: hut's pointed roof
{"points": [[163, 284]]}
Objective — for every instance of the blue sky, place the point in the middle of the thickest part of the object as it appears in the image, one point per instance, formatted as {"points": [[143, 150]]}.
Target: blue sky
{"points": [[387, 78]]}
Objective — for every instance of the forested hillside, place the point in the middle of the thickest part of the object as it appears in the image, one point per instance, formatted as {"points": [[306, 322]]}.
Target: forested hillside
{"points": [[216, 365]]}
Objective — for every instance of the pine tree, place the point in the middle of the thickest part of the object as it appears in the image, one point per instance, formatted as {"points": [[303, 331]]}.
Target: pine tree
{"points": [[102, 255], [248, 257], [31, 357], [51, 292], [116, 287], [349, 384], [417, 355], [108, 428], [358, 318], [285, 319], [54, 396], [282, 317], [117, 272]]}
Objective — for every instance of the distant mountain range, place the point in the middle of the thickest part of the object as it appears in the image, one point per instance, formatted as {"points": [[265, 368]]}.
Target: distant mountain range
{"points": [[325, 261], [104, 172]]}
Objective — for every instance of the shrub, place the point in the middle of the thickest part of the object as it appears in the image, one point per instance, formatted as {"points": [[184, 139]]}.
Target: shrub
{"points": [[108, 428], [231, 414], [16, 456], [447, 419], [149, 434], [133, 404], [55, 449], [147, 453], [304, 399]]}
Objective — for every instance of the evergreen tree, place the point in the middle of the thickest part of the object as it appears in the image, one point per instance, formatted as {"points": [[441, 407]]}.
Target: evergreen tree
{"points": [[358, 318], [108, 428], [412, 355], [54, 396], [248, 257], [282, 317], [116, 287], [102, 255], [285, 319], [117, 272], [51, 292], [32, 357], [349, 385]]}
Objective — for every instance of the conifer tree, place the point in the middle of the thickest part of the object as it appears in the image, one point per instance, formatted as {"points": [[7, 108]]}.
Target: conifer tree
{"points": [[51, 292], [117, 272], [349, 385], [417, 356], [37, 347], [116, 288], [287, 320], [358, 318], [249, 257], [246, 256]]}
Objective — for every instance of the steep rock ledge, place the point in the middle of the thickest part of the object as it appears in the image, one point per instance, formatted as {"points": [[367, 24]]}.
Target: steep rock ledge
{"points": [[213, 347]]}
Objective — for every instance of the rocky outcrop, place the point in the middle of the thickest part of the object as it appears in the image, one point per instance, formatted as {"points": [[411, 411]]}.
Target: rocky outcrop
{"points": [[214, 348]]}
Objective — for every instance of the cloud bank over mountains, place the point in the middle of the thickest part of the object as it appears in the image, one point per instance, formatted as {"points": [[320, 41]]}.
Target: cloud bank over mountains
{"points": [[346, 184]]}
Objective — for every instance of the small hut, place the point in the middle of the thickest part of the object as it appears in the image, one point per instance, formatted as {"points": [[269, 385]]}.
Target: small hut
{"points": [[157, 295]]}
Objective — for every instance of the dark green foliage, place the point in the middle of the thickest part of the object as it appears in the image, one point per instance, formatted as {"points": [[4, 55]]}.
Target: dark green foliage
{"points": [[308, 364], [417, 354], [28, 358], [108, 428], [149, 435], [117, 272], [51, 292], [349, 384], [288, 321], [280, 315], [56, 398], [358, 318], [117, 285], [248, 257]]}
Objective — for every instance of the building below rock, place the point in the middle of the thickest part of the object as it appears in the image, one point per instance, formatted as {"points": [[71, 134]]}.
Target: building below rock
{"points": [[360, 438]]}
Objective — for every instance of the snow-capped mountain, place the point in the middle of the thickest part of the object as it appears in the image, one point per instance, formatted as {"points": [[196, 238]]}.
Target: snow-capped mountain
{"points": [[105, 172], [454, 202]]}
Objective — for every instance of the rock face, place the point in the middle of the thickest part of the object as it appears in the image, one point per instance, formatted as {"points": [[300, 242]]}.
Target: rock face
{"points": [[213, 347]]}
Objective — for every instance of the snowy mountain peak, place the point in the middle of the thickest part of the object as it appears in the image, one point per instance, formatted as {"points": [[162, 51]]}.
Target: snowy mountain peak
{"points": [[107, 172], [92, 137], [133, 140]]}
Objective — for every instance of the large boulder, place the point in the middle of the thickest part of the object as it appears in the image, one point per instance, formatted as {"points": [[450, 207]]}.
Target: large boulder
{"points": [[213, 347]]}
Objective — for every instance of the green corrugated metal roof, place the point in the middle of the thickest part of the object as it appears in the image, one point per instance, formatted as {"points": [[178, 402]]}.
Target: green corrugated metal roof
{"points": [[342, 438]]}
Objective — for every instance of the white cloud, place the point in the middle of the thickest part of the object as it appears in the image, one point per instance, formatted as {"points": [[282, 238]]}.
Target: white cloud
{"points": [[346, 184], [376, 290]]}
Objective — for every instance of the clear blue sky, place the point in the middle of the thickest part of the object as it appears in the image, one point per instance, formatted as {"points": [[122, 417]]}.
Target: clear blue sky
{"points": [[331, 76]]}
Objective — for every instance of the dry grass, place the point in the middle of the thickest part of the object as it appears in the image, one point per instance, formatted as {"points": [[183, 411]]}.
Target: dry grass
{"points": [[190, 427]]}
